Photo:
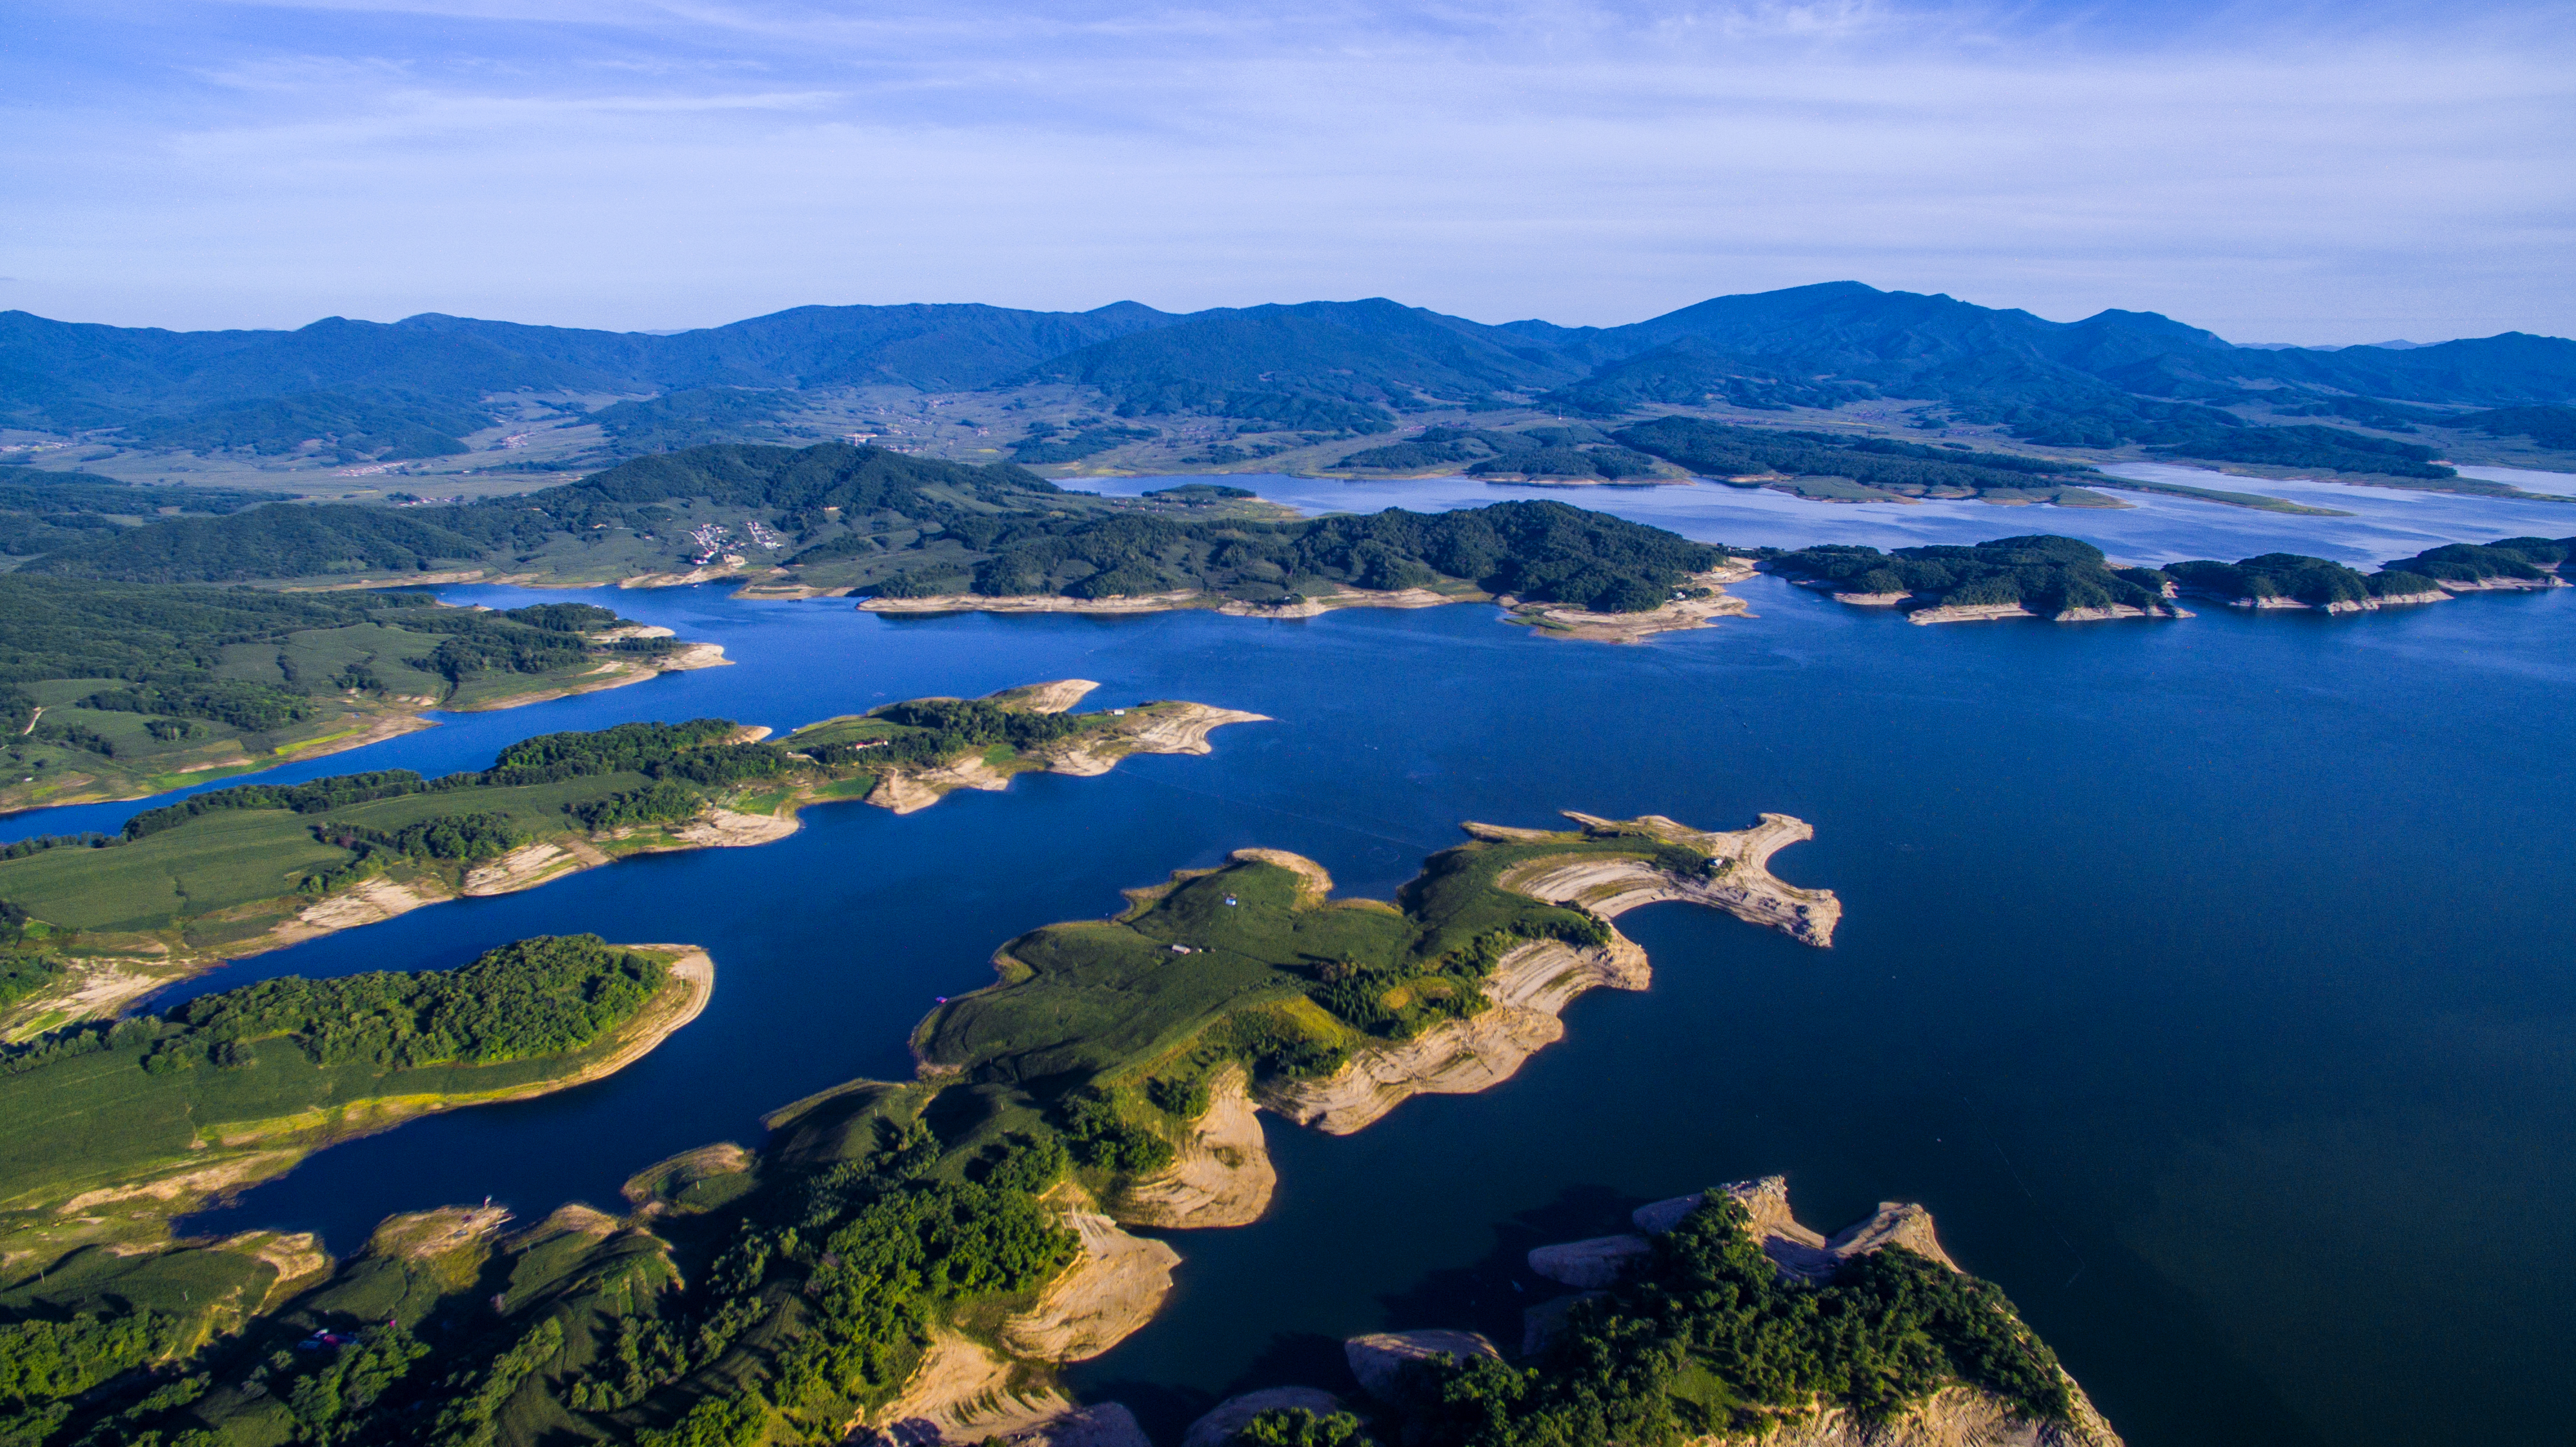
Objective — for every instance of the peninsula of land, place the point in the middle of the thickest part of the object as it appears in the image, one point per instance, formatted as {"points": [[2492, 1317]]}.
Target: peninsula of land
{"points": [[911, 1261], [113, 690], [2070, 581], [95, 921], [107, 1131]]}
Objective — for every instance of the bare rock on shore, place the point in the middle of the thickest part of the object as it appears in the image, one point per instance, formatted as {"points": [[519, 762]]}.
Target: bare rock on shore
{"points": [[1460, 1057], [1105, 1297], [1738, 879], [1379, 1358], [962, 1392], [1223, 1176], [1218, 1427], [1797, 1250], [1562, 621], [907, 793], [1596, 1262], [1109, 1424], [1167, 729], [1953, 1417]]}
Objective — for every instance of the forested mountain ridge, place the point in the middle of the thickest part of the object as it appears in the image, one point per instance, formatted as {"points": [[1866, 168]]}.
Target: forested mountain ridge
{"points": [[416, 387]]}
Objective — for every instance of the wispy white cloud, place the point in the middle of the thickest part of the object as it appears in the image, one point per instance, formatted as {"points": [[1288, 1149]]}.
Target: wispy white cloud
{"points": [[2340, 175]]}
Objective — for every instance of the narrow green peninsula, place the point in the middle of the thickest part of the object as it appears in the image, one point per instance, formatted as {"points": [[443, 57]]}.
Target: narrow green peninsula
{"points": [[108, 1130], [89, 922], [2041, 576]]}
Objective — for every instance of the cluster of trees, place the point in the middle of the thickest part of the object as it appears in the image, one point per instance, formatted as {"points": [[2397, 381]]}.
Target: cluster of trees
{"points": [[871, 1253], [301, 541], [1047, 442], [345, 426], [534, 997], [2525, 559], [694, 418], [2368, 411], [1531, 452], [76, 628], [660, 802], [1356, 992], [168, 642], [1543, 551], [42, 509], [1690, 374], [674, 756], [2314, 581], [460, 837], [1097, 1134], [1707, 1338], [46, 1366], [695, 750], [1715, 449], [2337, 448], [2042, 573], [242, 704], [2553, 427], [336, 792]]}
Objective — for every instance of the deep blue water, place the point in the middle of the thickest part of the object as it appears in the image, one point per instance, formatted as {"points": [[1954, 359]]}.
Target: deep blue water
{"points": [[2207, 979]]}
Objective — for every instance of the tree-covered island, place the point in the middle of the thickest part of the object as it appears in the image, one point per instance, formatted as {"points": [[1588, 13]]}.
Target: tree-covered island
{"points": [[2027, 577], [2293, 580]]}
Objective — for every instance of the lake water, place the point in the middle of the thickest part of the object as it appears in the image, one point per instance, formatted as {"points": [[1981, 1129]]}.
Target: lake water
{"points": [[2208, 979]]}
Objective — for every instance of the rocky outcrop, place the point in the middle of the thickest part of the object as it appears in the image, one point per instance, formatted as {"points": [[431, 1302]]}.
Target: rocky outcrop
{"points": [[1176, 728], [1223, 1176], [1799, 1252], [962, 1392], [1033, 603], [1713, 601], [1738, 878], [1532, 984], [1218, 1427], [1952, 1417], [1379, 1359], [1108, 1425], [1460, 1057], [1597, 1262], [1103, 1298], [1989, 612]]}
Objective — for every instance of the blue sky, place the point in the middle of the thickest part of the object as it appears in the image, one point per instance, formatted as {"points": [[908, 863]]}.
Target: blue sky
{"points": [[2326, 173]]}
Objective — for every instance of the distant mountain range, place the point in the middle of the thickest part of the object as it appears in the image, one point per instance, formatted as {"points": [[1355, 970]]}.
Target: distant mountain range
{"points": [[408, 388]]}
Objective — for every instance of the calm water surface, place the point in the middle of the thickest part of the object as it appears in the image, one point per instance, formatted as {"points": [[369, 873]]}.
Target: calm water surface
{"points": [[2207, 979]]}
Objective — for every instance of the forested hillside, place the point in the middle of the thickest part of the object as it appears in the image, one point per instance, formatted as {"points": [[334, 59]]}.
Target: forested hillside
{"points": [[417, 388], [909, 527], [112, 690]]}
